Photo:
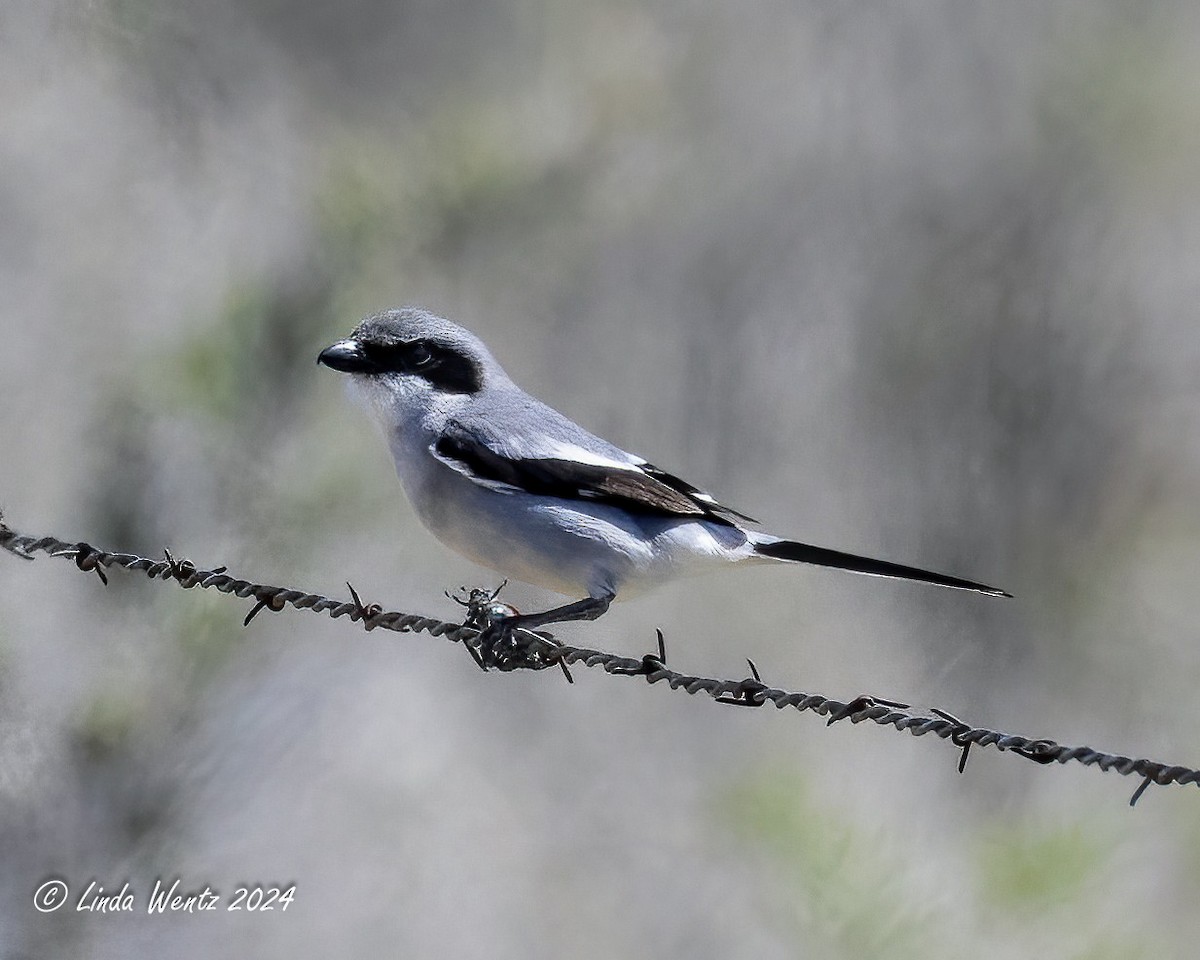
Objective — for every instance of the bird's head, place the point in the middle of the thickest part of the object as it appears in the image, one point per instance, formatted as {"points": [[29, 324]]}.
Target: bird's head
{"points": [[410, 361]]}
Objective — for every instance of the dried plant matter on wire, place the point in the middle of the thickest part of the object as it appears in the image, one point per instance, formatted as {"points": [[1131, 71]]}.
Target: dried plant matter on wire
{"points": [[536, 650]]}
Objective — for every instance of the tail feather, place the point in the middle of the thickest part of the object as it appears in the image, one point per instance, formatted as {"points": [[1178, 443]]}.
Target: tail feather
{"points": [[822, 557]]}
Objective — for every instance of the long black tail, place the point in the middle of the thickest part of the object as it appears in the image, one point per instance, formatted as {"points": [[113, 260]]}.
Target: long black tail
{"points": [[804, 553]]}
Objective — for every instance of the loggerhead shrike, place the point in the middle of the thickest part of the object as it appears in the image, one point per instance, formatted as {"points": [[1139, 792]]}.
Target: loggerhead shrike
{"points": [[513, 484]]}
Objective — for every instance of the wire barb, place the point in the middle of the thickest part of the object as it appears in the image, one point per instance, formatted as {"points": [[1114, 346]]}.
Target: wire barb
{"points": [[182, 570], [1137, 794], [860, 704], [649, 665], [366, 614], [748, 693], [272, 602], [956, 736], [537, 650], [86, 558]]}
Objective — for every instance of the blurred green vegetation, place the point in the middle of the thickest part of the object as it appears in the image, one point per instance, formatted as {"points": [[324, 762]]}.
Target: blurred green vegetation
{"points": [[841, 892], [106, 722], [843, 888], [205, 632], [1040, 868], [1129, 100], [194, 641]]}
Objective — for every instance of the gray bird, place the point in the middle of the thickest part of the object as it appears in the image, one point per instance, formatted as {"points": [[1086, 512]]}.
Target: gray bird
{"points": [[516, 486]]}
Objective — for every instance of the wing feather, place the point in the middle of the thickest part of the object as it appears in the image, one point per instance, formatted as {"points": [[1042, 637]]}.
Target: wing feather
{"points": [[636, 486]]}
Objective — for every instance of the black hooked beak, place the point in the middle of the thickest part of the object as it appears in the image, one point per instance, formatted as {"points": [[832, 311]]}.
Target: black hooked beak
{"points": [[346, 356]]}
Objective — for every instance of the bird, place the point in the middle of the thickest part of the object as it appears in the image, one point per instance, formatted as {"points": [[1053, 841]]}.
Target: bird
{"points": [[511, 483]]}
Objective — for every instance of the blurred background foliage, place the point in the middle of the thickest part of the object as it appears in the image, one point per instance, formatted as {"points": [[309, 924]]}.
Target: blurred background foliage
{"points": [[913, 279]]}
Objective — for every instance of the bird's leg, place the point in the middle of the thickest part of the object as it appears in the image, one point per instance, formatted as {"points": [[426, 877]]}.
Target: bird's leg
{"points": [[589, 608], [501, 645]]}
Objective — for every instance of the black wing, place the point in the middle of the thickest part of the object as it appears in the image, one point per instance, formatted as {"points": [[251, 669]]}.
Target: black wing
{"points": [[636, 487]]}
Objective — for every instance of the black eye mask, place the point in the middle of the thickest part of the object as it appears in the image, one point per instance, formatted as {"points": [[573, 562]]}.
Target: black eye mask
{"points": [[444, 367]]}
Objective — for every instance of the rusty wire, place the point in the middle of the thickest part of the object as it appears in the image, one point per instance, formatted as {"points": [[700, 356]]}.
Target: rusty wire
{"points": [[540, 650]]}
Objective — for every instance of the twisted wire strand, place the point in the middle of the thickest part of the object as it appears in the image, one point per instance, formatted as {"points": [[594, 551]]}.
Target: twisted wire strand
{"points": [[542, 650]]}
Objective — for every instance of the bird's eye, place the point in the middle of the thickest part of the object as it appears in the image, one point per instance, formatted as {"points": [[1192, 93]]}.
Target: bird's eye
{"points": [[420, 357]]}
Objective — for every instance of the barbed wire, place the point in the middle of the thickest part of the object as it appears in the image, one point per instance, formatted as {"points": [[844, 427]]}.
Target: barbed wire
{"points": [[527, 649]]}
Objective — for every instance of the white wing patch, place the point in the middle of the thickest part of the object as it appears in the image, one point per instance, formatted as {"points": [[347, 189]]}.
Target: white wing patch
{"points": [[557, 450]]}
